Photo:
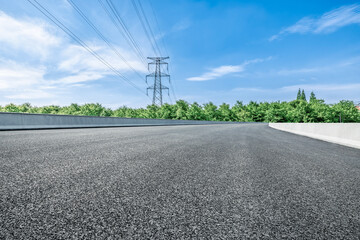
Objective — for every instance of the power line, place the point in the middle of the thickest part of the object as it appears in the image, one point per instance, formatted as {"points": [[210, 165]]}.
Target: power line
{"points": [[152, 33], [164, 45], [121, 27], [125, 29], [150, 29], [52, 18], [172, 90], [158, 27], [124, 26], [170, 82], [144, 27], [102, 36]]}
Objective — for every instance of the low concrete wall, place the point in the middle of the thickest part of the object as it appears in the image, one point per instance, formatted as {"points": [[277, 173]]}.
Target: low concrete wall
{"points": [[18, 121], [341, 133]]}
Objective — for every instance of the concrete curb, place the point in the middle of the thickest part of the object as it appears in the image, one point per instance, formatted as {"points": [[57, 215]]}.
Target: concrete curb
{"points": [[347, 134], [29, 121]]}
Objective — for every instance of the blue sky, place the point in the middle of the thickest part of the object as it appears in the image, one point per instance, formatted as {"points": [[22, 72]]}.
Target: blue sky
{"points": [[220, 51]]}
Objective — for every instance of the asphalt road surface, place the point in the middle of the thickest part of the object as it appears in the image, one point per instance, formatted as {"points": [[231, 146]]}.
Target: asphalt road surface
{"points": [[243, 181]]}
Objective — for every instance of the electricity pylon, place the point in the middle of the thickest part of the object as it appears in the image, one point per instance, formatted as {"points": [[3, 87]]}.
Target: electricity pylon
{"points": [[157, 75]]}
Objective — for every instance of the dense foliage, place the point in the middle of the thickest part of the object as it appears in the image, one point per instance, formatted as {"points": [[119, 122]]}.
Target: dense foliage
{"points": [[299, 110]]}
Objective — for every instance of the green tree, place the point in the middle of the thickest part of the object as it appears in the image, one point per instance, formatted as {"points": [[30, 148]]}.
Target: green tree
{"points": [[94, 109], [256, 114], [312, 97], [225, 113], [297, 110], [166, 111], [181, 109], [126, 112], [319, 111], [25, 108], [347, 111], [316, 110], [303, 96], [196, 112], [298, 97], [73, 109], [237, 111], [211, 112], [152, 111], [11, 108], [53, 109], [276, 112], [120, 112]]}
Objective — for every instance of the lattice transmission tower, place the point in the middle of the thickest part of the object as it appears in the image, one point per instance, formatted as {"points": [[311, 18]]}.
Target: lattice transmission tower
{"points": [[157, 88]]}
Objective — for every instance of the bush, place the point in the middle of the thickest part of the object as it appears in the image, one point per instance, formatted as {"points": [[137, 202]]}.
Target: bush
{"points": [[295, 111]]}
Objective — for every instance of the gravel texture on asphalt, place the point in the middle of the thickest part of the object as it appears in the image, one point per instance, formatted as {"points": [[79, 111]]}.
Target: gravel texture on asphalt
{"points": [[241, 181]]}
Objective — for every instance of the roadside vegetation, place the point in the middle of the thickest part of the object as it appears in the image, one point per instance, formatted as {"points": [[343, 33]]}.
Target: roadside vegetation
{"points": [[299, 110]]}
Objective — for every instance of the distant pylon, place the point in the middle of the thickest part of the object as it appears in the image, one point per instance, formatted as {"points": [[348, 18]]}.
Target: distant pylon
{"points": [[157, 75]]}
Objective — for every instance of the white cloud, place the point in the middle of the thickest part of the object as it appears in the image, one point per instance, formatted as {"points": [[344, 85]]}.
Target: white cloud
{"points": [[35, 54], [327, 23], [307, 87], [249, 89], [323, 87], [178, 27], [287, 72], [182, 25], [225, 69], [79, 78], [75, 58], [15, 76], [30, 94], [218, 72], [340, 66], [23, 82], [29, 35]]}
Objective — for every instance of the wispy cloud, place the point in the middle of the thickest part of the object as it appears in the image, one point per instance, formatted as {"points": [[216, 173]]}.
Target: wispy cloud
{"points": [[177, 27], [79, 78], [306, 87], [40, 62], [28, 35], [14, 76], [23, 82], [225, 70], [333, 67], [327, 23], [287, 72], [322, 87], [218, 72], [332, 93], [74, 58], [240, 89], [182, 25], [31, 94]]}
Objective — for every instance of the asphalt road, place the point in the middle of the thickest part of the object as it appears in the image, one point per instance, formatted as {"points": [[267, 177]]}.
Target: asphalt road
{"points": [[206, 182]]}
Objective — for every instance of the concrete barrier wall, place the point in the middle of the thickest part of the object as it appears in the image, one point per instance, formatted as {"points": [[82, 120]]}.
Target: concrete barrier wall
{"points": [[342, 133], [17, 121]]}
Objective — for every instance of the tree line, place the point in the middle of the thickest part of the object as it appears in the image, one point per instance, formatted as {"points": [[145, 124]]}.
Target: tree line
{"points": [[298, 110]]}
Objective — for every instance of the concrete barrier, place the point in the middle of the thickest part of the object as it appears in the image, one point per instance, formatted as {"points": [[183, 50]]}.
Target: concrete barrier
{"points": [[347, 134], [18, 121]]}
